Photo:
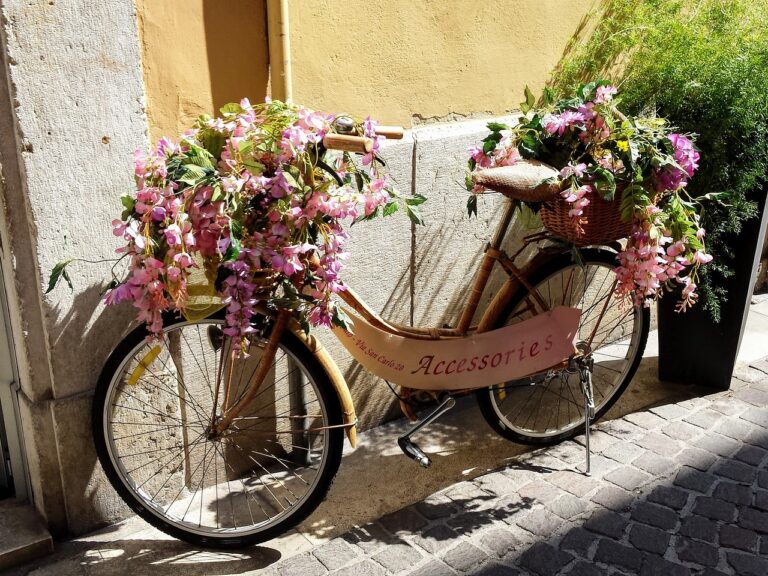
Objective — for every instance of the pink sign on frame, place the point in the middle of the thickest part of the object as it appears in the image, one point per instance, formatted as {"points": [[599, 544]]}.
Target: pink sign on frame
{"points": [[475, 361]]}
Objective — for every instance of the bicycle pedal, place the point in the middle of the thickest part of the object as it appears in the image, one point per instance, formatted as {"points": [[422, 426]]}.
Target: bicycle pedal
{"points": [[411, 450]]}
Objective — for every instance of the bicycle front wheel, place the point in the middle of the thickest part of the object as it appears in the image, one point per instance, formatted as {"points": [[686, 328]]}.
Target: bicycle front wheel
{"points": [[549, 407], [269, 470]]}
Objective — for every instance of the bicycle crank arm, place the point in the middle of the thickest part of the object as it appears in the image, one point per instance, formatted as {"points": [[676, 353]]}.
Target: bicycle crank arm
{"points": [[410, 448]]}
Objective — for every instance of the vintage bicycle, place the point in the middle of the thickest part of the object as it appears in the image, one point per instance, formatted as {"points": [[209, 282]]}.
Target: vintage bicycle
{"points": [[227, 451]]}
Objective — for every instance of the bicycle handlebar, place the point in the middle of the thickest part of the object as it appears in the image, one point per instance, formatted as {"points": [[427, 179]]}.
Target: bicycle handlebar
{"points": [[360, 144]]}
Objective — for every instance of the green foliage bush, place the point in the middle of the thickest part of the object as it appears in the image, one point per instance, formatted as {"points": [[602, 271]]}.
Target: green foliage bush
{"points": [[703, 65]]}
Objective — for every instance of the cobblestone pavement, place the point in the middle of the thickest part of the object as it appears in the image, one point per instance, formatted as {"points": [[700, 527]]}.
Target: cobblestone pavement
{"points": [[676, 490]]}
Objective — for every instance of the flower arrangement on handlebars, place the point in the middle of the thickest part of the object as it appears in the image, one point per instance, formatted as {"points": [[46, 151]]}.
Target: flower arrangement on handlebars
{"points": [[640, 165], [251, 199]]}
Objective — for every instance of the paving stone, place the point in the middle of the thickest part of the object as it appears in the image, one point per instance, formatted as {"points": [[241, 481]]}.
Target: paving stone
{"points": [[624, 452], [539, 491], [464, 557], [654, 515], [670, 411], [655, 566], [622, 429], [433, 568], [470, 522], [762, 479], [660, 444], [578, 540], [761, 500], [699, 528], [404, 520], [541, 462], [735, 470], [694, 480], [704, 418], [364, 568], [501, 484], [734, 428], [614, 498], [544, 559], [599, 441], [669, 496], [567, 506], [495, 569], [764, 546], [615, 554], [752, 396], [335, 554], [758, 437], [602, 466], [717, 444], [369, 537], [751, 455], [753, 519], [540, 522], [655, 465], [607, 523], [302, 565], [735, 537], [695, 403], [713, 572], [696, 458], [568, 452], [628, 477], [577, 484], [735, 493], [499, 541], [699, 552], [465, 491], [681, 431], [747, 564], [649, 539], [645, 420], [398, 557], [437, 506], [436, 538], [757, 416], [582, 568], [714, 508], [730, 406], [509, 508]]}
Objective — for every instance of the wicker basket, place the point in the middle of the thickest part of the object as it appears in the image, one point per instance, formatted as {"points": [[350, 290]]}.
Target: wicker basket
{"points": [[601, 221]]}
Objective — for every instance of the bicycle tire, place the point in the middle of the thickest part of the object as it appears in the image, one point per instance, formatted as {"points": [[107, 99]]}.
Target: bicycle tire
{"points": [[519, 394], [254, 475]]}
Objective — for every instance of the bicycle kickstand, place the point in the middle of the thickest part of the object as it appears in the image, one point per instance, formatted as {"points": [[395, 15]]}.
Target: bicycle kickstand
{"points": [[410, 448], [585, 366]]}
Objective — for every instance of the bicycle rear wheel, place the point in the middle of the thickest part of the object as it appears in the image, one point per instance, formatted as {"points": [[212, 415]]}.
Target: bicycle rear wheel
{"points": [[269, 470], [549, 407]]}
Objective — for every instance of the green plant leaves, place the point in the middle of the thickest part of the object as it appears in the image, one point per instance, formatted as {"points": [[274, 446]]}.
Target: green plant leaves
{"points": [[530, 101], [412, 204], [59, 271]]}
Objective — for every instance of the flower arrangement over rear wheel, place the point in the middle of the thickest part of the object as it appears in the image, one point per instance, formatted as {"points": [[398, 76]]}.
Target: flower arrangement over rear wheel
{"points": [[252, 200], [628, 174]]}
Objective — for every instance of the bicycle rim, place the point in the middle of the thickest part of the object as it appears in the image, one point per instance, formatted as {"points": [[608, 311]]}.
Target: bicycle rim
{"points": [[551, 405], [256, 477]]}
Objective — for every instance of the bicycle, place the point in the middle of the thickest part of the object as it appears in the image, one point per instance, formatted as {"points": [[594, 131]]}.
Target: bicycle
{"points": [[227, 452]]}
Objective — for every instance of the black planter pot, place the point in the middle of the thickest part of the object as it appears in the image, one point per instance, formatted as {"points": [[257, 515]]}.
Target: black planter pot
{"points": [[692, 348]]}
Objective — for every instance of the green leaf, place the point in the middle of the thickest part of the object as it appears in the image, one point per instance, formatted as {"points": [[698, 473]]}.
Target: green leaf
{"points": [[231, 108], [193, 174], [59, 271], [340, 319], [254, 167], [472, 205], [128, 201], [391, 208], [605, 183], [414, 214], [218, 193], [497, 126], [530, 100], [213, 142], [245, 147], [415, 200]]}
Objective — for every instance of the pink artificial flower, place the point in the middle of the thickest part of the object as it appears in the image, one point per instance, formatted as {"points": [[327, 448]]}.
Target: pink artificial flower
{"points": [[605, 94]]}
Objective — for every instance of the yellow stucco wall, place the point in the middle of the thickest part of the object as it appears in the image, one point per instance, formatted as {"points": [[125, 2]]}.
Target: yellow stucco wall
{"points": [[198, 55], [397, 59], [402, 61]]}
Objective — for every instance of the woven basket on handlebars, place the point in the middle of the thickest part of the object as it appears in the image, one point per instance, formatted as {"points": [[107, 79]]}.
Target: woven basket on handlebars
{"points": [[601, 222]]}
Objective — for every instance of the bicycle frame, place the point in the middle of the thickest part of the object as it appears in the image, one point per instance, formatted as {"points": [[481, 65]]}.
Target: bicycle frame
{"points": [[493, 254]]}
